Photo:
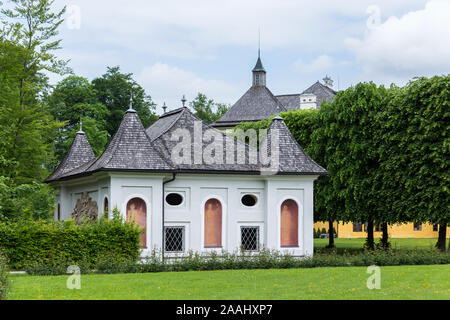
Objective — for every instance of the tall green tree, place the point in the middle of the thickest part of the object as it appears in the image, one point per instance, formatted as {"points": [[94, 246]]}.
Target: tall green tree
{"points": [[27, 42], [349, 139], [74, 98], [208, 110], [416, 152], [114, 90]]}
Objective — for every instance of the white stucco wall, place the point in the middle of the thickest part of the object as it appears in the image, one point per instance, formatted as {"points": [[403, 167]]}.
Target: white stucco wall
{"points": [[270, 191]]}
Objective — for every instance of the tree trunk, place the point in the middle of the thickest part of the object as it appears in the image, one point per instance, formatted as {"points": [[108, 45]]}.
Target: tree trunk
{"points": [[370, 243], [330, 234], [385, 237], [442, 239]]}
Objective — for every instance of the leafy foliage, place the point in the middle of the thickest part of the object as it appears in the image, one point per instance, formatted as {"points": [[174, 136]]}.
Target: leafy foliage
{"points": [[416, 150], [25, 201], [115, 90], [29, 242], [265, 259], [73, 100], [27, 43], [207, 110]]}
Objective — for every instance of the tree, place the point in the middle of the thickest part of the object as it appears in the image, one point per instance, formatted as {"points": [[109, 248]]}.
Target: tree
{"points": [[348, 137], [73, 99], [115, 90], [26, 49], [207, 110], [416, 152]]}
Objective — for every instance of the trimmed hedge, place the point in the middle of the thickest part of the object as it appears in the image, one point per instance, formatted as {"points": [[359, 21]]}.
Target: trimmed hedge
{"points": [[29, 242], [264, 260]]}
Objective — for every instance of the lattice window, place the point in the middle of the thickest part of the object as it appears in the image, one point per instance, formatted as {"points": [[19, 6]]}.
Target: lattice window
{"points": [[174, 239], [250, 238]]}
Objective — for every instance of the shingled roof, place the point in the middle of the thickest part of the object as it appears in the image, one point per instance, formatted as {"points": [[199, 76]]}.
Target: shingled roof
{"points": [[79, 156], [162, 131], [134, 149], [289, 101], [292, 158], [256, 104], [130, 149], [322, 92]]}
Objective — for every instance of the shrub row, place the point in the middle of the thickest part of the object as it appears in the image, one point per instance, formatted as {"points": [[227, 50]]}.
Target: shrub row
{"points": [[47, 242], [264, 260]]}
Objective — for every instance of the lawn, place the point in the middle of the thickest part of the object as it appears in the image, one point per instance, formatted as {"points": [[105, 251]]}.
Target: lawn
{"points": [[397, 243], [399, 282]]}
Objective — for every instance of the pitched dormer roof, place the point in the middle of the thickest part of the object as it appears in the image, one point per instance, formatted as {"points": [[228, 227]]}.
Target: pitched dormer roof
{"points": [[292, 158], [76, 159]]}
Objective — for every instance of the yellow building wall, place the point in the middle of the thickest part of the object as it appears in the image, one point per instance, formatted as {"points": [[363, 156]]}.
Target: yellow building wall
{"points": [[406, 230]]}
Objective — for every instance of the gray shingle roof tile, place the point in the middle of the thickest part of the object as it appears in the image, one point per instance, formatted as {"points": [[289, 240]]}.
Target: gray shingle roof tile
{"points": [[134, 149], [256, 104], [292, 158], [322, 92], [79, 155], [184, 119], [130, 149]]}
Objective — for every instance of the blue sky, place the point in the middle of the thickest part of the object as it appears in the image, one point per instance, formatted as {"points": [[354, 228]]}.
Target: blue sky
{"points": [[185, 47]]}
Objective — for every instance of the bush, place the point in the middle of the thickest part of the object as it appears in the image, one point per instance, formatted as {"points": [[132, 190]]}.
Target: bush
{"points": [[3, 276], [267, 259], [25, 201], [47, 244]]}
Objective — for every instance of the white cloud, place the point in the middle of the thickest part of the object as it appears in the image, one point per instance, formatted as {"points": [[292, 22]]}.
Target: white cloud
{"points": [[415, 44], [195, 28], [321, 63], [167, 83]]}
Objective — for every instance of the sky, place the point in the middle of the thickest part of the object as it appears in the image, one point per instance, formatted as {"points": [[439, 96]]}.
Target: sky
{"points": [[175, 48]]}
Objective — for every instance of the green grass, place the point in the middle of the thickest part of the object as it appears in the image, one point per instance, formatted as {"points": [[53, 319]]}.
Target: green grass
{"points": [[400, 243], [400, 282]]}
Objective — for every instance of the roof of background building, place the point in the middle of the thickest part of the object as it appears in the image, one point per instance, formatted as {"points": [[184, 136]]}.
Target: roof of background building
{"points": [[321, 91], [289, 101], [258, 66], [256, 104]]}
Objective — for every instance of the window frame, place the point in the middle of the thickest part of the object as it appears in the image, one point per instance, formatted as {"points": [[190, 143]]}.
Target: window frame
{"points": [[171, 205], [258, 237], [252, 195], [183, 240]]}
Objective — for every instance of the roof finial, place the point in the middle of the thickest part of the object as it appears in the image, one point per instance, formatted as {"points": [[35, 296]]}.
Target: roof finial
{"points": [[81, 126], [131, 102], [259, 43], [183, 101], [164, 107]]}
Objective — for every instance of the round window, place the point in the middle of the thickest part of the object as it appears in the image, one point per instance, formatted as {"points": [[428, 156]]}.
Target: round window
{"points": [[249, 200], [174, 199]]}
